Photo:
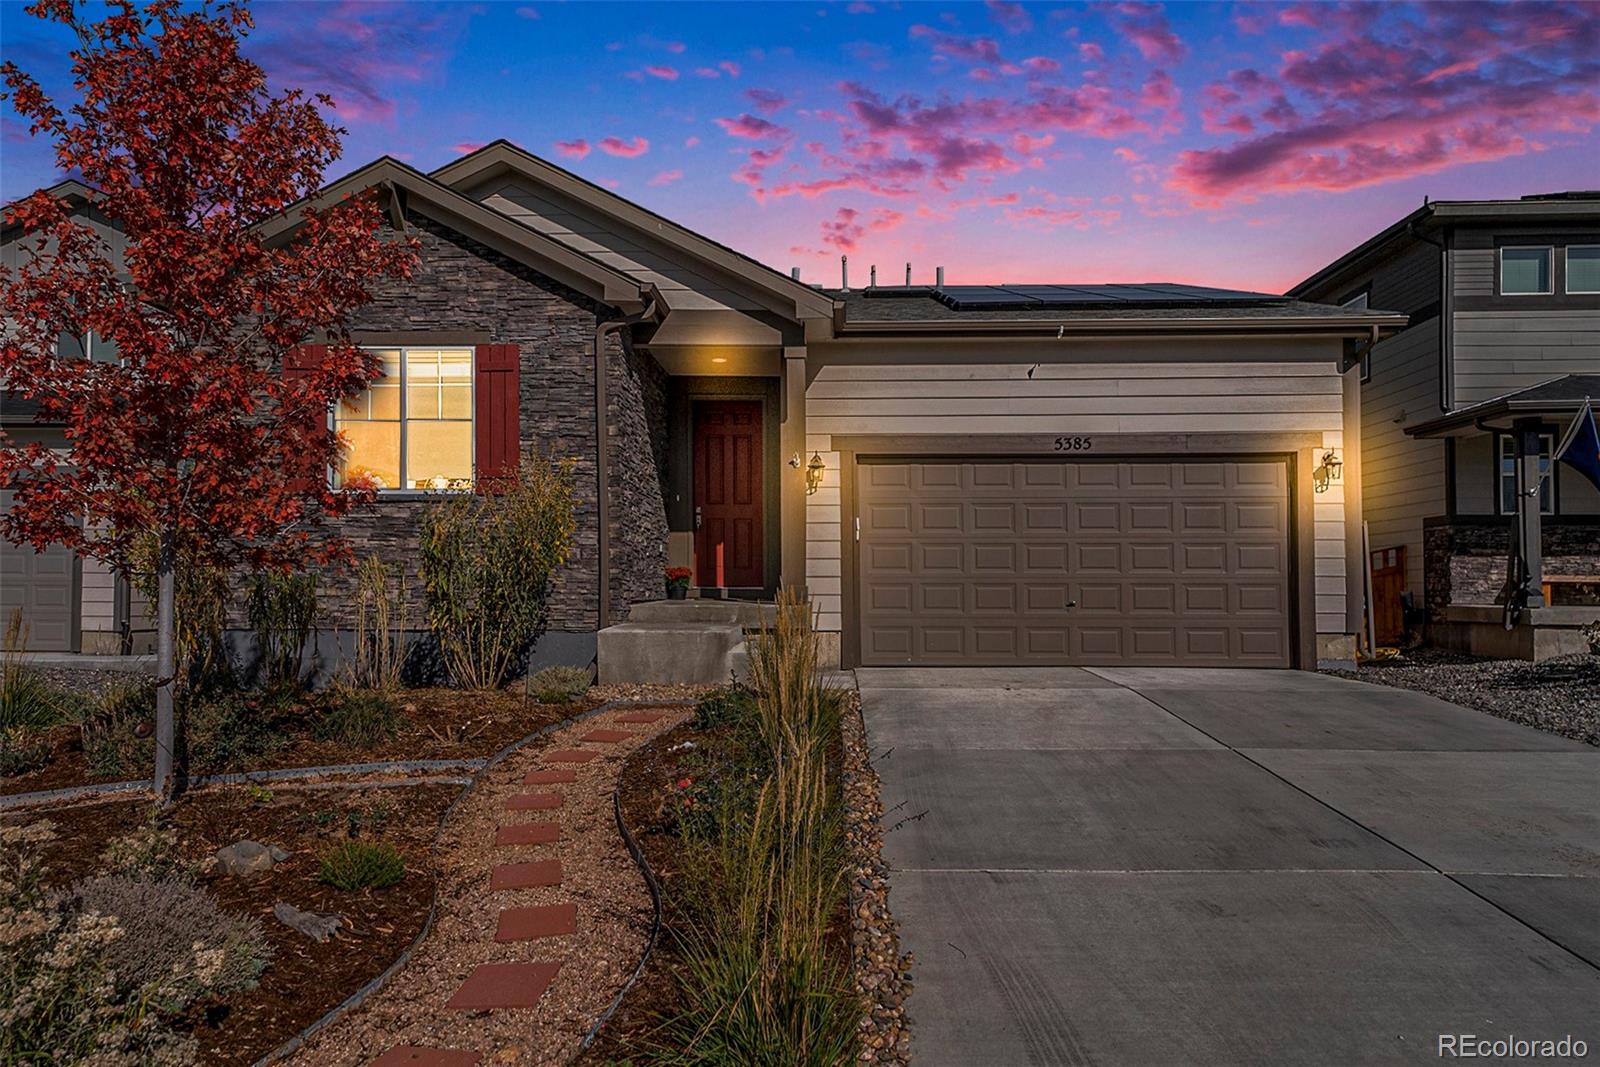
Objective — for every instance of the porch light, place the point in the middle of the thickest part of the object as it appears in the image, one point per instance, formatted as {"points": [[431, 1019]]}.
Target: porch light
{"points": [[1330, 470], [814, 471]]}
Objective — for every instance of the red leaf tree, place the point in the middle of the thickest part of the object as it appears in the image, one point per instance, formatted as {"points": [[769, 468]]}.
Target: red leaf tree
{"points": [[193, 435]]}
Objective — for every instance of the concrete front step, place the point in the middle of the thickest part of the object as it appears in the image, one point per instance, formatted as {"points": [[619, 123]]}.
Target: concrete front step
{"points": [[689, 652], [751, 614]]}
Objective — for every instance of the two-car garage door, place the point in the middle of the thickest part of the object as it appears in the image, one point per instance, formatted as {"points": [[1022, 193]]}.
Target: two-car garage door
{"points": [[1074, 562]]}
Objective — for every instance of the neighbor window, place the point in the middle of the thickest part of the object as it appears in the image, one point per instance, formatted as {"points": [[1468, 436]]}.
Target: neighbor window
{"points": [[1583, 268], [1525, 271], [413, 428], [1508, 475]]}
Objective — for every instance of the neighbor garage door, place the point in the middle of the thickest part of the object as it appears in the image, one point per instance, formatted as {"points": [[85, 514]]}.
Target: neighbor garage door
{"points": [[41, 585], [1089, 563]]}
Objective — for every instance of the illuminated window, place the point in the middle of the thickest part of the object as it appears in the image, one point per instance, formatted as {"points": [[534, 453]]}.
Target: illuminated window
{"points": [[413, 428]]}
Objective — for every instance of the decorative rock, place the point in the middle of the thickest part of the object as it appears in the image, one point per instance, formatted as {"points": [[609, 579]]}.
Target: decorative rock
{"points": [[317, 927], [246, 858]]}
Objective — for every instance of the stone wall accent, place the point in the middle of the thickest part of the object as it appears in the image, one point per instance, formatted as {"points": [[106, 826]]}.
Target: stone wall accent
{"points": [[1466, 560], [464, 286]]}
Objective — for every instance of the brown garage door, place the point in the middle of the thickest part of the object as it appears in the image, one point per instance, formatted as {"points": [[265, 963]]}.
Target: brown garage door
{"points": [[1091, 563], [41, 585]]}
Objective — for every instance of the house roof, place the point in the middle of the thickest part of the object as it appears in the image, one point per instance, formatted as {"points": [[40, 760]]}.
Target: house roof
{"points": [[1558, 396], [71, 190], [1094, 308], [571, 266], [1575, 206], [503, 157]]}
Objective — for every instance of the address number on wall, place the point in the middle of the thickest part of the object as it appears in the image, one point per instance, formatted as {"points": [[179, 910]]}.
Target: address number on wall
{"points": [[1074, 444]]}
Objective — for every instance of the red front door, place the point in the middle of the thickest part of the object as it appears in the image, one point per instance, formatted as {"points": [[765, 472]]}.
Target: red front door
{"points": [[727, 493]]}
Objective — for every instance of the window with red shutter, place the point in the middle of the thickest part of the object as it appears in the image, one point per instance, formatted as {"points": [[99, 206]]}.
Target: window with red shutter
{"points": [[498, 444]]}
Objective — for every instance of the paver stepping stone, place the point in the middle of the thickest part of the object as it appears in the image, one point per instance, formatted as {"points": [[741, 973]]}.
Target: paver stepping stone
{"points": [[606, 737], [533, 801], [558, 776], [504, 985], [642, 716], [526, 875], [571, 755], [418, 1056], [528, 833], [528, 924]]}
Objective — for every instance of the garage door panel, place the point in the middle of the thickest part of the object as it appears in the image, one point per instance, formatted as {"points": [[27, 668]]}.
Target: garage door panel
{"points": [[1167, 563], [41, 585]]}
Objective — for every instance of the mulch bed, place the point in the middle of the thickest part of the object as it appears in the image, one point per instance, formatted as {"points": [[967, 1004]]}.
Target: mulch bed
{"points": [[439, 724], [304, 979]]}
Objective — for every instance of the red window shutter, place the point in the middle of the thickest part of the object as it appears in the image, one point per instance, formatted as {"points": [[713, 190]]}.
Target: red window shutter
{"points": [[496, 384], [299, 362]]}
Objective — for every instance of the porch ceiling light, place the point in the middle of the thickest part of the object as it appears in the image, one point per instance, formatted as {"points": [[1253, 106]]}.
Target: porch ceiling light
{"points": [[1329, 471], [814, 471]]}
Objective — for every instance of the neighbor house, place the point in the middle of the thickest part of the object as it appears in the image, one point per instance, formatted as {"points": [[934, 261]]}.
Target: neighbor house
{"points": [[955, 474], [1502, 299]]}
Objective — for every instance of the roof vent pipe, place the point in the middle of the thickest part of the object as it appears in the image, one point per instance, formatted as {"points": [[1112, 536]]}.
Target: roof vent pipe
{"points": [[872, 276], [844, 273], [938, 277], [794, 272], [908, 273]]}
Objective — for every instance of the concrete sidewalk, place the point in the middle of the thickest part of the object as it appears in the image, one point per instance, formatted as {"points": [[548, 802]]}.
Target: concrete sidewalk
{"points": [[1156, 866]]}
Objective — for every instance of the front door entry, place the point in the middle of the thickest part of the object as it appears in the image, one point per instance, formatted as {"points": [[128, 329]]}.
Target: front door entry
{"points": [[727, 494]]}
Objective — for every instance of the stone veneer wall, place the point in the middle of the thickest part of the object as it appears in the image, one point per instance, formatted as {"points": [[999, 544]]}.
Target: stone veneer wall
{"points": [[1465, 560], [462, 285]]}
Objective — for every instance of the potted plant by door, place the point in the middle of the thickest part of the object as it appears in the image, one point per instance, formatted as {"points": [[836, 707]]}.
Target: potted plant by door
{"points": [[678, 582]]}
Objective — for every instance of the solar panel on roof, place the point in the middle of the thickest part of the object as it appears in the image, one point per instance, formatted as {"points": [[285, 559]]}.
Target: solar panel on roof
{"points": [[1113, 295]]}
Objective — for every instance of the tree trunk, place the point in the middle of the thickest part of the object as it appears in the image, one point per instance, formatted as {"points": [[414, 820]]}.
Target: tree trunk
{"points": [[166, 666]]}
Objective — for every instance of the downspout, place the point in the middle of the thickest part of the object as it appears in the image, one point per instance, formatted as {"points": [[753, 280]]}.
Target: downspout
{"points": [[602, 453], [1446, 383]]}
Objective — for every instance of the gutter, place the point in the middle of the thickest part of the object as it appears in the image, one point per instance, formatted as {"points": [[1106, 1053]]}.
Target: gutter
{"points": [[602, 449], [1345, 325]]}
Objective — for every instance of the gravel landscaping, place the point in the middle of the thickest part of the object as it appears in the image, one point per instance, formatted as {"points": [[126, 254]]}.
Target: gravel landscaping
{"points": [[1560, 696]]}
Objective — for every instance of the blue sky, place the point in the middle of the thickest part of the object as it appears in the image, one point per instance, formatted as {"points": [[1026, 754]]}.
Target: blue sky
{"points": [[1226, 144]]}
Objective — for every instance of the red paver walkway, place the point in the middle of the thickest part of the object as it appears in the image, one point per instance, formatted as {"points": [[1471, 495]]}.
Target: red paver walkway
{"points": [[556, 776], [571, 755], [528, 833], [642, 716], [528, 924], [533, 875], [504, 985], [418, 1056], [606, 737], [533, 801]]}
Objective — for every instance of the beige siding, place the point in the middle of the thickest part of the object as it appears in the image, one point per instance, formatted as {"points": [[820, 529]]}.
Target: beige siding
{"points": [[1402, 478], [926, 392], [1499, 351]]}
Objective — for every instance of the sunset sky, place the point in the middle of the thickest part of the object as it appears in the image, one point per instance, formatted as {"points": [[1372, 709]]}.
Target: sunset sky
{"points": [[1238, 145]]}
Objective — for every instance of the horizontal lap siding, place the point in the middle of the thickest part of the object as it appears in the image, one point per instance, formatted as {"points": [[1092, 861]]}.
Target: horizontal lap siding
{"points": [[978, 398], [1402, 478], [1498, 351]]}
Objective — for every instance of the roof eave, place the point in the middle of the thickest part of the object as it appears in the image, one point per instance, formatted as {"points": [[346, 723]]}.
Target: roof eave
{"points": [[1341, 326]]}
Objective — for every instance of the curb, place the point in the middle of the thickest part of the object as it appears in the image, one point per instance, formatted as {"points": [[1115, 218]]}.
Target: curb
{"points": [[355, 999], [654, 886]]}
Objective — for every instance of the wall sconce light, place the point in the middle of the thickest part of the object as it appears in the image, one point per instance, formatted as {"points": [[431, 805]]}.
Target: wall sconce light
{"points": [[1328, 472], [814, 471]]}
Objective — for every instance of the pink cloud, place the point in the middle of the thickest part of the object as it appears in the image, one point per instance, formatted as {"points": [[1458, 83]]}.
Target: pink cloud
{"points": [[975, 49], [616, 146], [848, 226], [1041, 64], [858, 7], [463, 148], [577, 149], [768, 100], [677, 48], [707, 72], [691, 141], [1090, 52], [1146, 28], [527, 12], [1126, 154], [1012, 17], [729, 67], [666, 177], [664, 73], [751, 127]]}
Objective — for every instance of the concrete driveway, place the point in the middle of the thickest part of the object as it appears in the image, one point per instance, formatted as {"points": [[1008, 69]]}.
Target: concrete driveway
{"points": [[1158, 866]]}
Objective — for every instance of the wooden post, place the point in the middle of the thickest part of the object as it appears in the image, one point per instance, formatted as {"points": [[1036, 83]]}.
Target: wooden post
{"points": [[1526, 433], [792, 484]]}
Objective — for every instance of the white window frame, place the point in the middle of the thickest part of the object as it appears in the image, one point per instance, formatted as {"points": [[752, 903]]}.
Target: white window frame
{"points": [[1500, 268], [472, 430], [1505, 449], [1566, 271]]}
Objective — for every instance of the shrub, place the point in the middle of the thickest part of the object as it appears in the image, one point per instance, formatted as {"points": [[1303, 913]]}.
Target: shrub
{"points": [[177, 944], [282, 609], [362, 865], [200, 610], [727, 705], [150, 852], [355, 716], [381, 606], [487, 562], [110, 726], [230, 730], [558, 685], [27, 700], [21, 751]]}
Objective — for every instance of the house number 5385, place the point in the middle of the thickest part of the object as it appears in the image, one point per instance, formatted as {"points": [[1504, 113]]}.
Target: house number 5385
{"points": [[1074, 444]]}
